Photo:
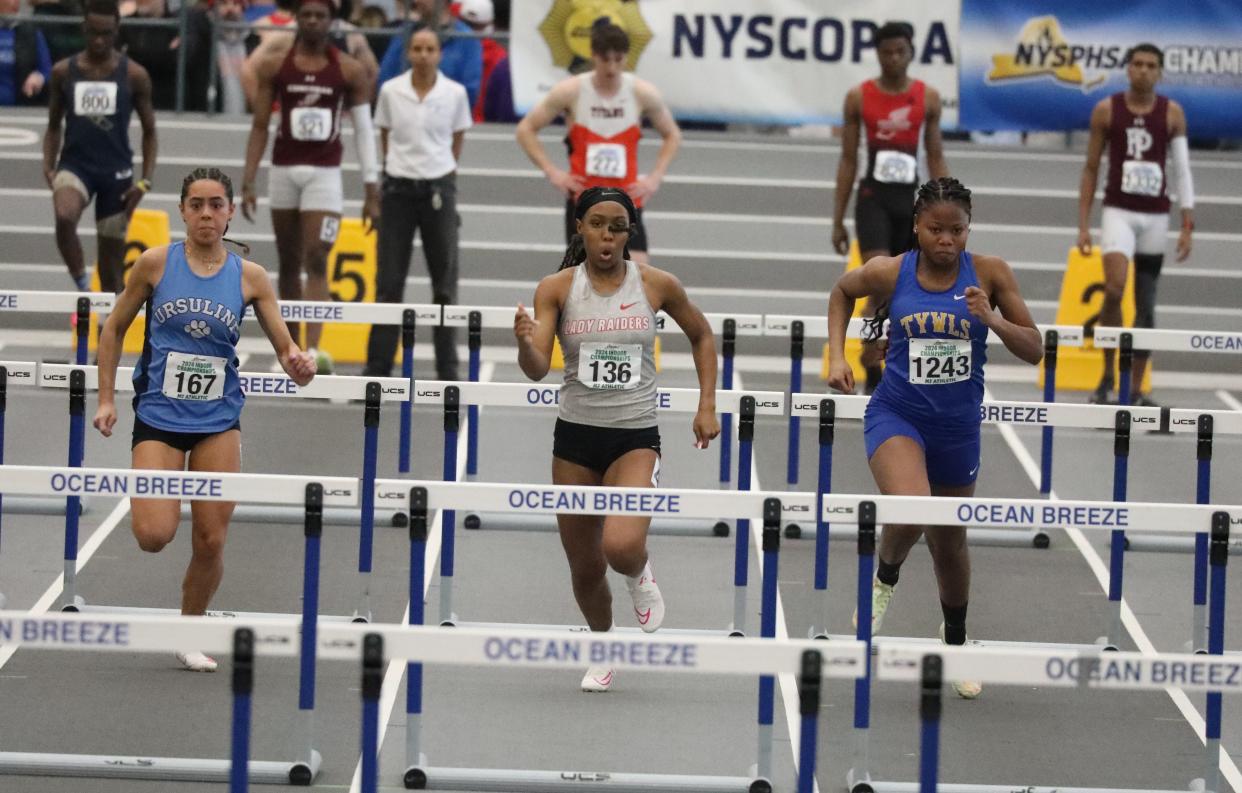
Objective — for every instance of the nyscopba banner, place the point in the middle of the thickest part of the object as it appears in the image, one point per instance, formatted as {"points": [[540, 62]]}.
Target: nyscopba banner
{"points": [[780, 61], [1044, 65]]}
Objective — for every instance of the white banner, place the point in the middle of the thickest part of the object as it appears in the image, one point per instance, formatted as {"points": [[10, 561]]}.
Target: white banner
{"points": [[672, 400], [777, 61]]}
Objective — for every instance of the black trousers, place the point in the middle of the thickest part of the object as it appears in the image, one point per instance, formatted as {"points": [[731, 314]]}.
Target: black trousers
{"points": [[428, 207]]}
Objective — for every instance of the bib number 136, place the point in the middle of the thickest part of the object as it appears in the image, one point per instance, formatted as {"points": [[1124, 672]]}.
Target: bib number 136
{"points": [[609, 372], [610, 366]]}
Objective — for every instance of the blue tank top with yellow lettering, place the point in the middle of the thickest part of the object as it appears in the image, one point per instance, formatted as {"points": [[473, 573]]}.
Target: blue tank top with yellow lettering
{"points": [[186, 379], [936, 349]]}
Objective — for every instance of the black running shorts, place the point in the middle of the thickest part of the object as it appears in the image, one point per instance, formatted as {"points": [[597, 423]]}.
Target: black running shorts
{"points": [[599, 447], [884, 217]]}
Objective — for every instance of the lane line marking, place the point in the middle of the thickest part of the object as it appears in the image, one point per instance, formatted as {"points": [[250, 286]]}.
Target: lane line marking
{"points": [[1228, 399], [1128, 617]]}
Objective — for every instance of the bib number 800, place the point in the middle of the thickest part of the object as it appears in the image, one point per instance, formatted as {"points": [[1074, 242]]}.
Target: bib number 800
{"points": [[610, 372]]}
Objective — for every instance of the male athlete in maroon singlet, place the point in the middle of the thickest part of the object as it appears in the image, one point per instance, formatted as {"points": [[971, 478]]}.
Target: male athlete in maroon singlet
{"points": [[604, 110], [897, 111], [313, 82], [1140, 129]]}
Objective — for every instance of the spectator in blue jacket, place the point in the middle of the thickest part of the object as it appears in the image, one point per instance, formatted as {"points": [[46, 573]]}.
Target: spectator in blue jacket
{"points": [[461, 59], [25, 60]]}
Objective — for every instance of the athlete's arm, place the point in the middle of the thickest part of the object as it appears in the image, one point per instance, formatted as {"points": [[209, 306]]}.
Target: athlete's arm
{"points": [[535, 334], [674, 301], [361, 88], [360, 50], [933, 143], [1013, 322], [1185, 183], [257, 291], [145, 274], [268, 47], [140, 90], [256, 144], [875, 279], [558, 102], [847, 169], [651, 104], [1101, 117], [55, 117]]}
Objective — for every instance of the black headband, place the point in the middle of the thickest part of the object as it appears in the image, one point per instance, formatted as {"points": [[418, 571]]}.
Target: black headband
{"points": [[598, 195]]}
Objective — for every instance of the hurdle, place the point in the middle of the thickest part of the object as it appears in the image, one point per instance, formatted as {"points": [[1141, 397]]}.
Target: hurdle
{"points": [[677, 400], [78, 304], [313, 493], [427, 496], [372, 391], [867, 511], [1031, 666], [798, 328], [728, 326]]}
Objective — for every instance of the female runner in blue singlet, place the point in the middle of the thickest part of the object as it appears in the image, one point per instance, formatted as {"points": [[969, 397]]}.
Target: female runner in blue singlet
{"points": [[187, 397], [922, 424]]}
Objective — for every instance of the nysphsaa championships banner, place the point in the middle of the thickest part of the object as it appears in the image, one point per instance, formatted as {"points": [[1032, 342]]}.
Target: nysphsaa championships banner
{"points": [[1044, 64], [778, 61]]}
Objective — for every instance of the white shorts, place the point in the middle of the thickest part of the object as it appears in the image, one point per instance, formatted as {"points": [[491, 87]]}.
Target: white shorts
{"points": [[309, 188], [1127, 232]]}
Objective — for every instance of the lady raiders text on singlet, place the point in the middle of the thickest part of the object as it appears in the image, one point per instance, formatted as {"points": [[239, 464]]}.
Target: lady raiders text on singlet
{"points": [[609, 347], [603, 140], [1137, 148], [310, 113], [894, 123], [186, 379], [936, 349], [97, 121]]}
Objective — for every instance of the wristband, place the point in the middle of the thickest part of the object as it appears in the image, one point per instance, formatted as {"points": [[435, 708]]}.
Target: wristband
{"points": [[143, 185], [1188, 225]]}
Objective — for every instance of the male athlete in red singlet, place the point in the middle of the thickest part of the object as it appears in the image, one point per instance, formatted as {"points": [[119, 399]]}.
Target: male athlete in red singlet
{"points": [[896, 110], [314, 82], [1140, 128], [603, 109]]}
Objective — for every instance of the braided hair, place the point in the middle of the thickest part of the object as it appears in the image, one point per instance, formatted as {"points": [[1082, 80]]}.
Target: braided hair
{"points": [[944, 190], [575, 254], [213, 175]]}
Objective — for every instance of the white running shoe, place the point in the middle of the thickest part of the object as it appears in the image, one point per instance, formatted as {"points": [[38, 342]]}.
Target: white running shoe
{"points": [[648, 602], [966, 689], [195, 661], [598, 679], [881, 596]]}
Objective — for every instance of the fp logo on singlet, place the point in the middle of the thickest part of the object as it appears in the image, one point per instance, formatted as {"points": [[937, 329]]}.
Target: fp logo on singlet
{"points": [[898, 121], [1138, 141]]}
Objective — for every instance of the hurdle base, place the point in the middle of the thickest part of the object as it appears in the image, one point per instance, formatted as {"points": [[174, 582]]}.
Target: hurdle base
{"points": [[332, 516], [75, 604], [520, 781], [503, 626], [999, 538], [175, 769], [40, 505], [1174, 543], [950, 787], [249, 616], [671, 527]]}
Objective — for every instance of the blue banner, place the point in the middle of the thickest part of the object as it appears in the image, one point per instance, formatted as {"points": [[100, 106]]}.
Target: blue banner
{"points": [[1042, 65]]}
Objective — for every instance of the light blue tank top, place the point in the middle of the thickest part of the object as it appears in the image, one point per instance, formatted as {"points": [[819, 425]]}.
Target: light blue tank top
{"points": [[936, 349], [186, 380]]}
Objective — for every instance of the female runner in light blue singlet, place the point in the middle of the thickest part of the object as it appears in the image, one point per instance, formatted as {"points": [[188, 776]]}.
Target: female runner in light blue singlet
{"points": [[603, 308], [187, 398], [922, 424]]}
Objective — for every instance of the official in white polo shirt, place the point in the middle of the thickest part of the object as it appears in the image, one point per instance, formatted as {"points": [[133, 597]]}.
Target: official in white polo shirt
{"points": [[422, 117]]}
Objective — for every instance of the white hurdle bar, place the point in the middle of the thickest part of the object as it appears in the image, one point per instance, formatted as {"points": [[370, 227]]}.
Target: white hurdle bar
{"points": [[266, 385], [1161, 340], [1043, 667], [311, 492], [540, 396], [23, 374], [497, 649]]}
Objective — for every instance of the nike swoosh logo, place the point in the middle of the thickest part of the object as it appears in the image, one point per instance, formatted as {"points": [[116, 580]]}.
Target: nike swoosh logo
{"points": [[643, 616], [628, 306], [959, 297], [974, 470]]}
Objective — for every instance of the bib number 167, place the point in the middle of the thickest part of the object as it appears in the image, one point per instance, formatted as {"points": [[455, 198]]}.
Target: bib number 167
{"points": [[194, 384]]}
